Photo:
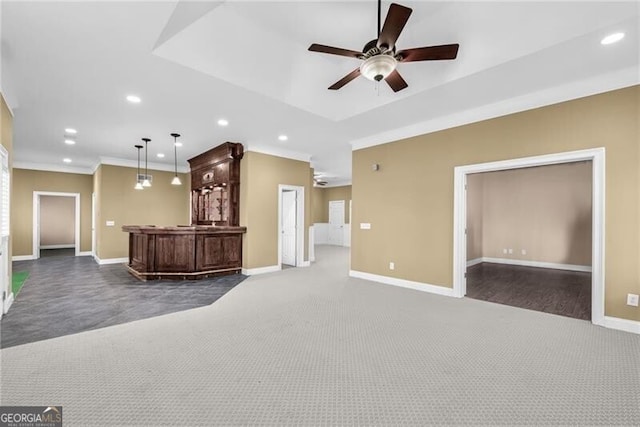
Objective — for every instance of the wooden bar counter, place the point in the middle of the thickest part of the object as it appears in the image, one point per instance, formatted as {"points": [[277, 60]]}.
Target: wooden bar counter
{"points": [[184, 252]]}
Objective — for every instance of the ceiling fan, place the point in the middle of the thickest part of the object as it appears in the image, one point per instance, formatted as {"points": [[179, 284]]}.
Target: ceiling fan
{"points": [[379, 56]]}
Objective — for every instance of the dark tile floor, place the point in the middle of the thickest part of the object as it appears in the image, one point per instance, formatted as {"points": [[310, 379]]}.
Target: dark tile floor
{"points": [[67, 295], [57, 252], [567, 293]]}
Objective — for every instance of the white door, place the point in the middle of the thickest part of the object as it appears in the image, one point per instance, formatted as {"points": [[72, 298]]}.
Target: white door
{"points": [[289, 227], [336, 222]]}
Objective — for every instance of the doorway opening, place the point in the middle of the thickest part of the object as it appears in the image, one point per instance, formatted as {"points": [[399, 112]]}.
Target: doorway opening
{"points": [[529, 238], [596, 158], [56, 224], [290, 226]]}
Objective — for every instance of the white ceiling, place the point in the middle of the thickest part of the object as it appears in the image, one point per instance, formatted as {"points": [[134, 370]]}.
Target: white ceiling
{"points": [[71, 64]]}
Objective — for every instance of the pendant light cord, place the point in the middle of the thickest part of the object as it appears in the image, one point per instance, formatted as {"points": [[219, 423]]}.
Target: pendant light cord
{"points": [[146, 170], [175, 154]]}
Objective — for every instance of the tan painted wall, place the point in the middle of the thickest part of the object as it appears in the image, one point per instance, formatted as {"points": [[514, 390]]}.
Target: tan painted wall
{"points": [[25, 182], [545, 211], [319, 205], [162, 204], [260, 175], [57, 220], [475, 194], [414, 225], [338, 193], [322, 197], [6, 139]]}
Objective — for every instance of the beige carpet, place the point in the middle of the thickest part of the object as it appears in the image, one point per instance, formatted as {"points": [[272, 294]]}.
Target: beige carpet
{"points": [[310, 346]]}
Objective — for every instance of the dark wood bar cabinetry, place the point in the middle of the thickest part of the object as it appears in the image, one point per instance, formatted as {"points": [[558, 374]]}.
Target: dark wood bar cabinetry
{"points": [[212, 244], [215, 185], [192, 252]]}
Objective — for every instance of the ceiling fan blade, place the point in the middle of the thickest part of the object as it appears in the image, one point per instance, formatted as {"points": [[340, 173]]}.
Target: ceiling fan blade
{"points": [[395, 81], [394, 23], [431, 53], [346, 79], [334, 51]]}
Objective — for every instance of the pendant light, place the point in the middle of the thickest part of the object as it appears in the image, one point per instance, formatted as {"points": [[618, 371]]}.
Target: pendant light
{"points": [[176, 178], [146, 182], [138, 185]]}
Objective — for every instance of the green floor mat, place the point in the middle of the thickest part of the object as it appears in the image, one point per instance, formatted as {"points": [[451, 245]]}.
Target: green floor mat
{"points": [[17, 280]]}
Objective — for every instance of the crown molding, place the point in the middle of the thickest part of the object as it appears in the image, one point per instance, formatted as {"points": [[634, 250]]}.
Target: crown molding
{"points": [[567, 92], [279, 152], [51, 168], [114, 161]]}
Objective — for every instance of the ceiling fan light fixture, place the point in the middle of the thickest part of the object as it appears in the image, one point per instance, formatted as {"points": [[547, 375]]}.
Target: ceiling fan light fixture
{"points": [[378, 67]]}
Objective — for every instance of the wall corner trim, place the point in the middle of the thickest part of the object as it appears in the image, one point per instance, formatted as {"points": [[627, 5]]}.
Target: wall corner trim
{"points": [[7, 303], [619, 324], [418, 286], [261, 270]]}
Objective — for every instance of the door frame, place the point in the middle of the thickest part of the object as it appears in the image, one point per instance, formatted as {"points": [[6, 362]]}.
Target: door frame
{"points": [[36, 220], [597, 157], [299, 223]]}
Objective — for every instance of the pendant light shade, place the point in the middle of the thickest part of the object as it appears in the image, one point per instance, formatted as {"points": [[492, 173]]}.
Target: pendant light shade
{"points": [[176, 178], [146, 182], [138, 185]]}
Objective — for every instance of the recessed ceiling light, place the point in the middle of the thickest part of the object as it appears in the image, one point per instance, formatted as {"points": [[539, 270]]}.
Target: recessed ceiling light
{"points": [[161, 155], [223, 122], [178, 144], [66, 160], [283, 137], [612, 38], [69, 141], [70, 131], [133, 99]]}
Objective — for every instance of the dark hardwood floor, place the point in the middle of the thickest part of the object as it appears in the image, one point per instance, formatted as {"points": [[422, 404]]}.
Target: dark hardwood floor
{"points": [[567, 293]]}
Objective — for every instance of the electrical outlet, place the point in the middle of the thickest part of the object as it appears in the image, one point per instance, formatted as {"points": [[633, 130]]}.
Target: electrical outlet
{"points": [[392, 266], [510, 250], [504, 251], [523, 252], [632, 299]]}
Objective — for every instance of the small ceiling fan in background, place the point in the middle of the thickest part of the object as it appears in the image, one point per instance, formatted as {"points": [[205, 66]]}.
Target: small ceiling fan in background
{"points": [[379, 56]]}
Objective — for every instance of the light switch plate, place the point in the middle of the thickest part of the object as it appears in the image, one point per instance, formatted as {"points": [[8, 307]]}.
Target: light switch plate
{"points": [[365, 226], [632, 300]]}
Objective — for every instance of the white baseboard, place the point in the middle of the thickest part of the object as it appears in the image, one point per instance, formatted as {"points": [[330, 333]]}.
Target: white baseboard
{"points": [[525, 263], [260, 270], [305, 264], [8, 302], [632, 326], [85, 253], [418, 286], [71, 246], [111, 260], [474, 261], [22, 258]]}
